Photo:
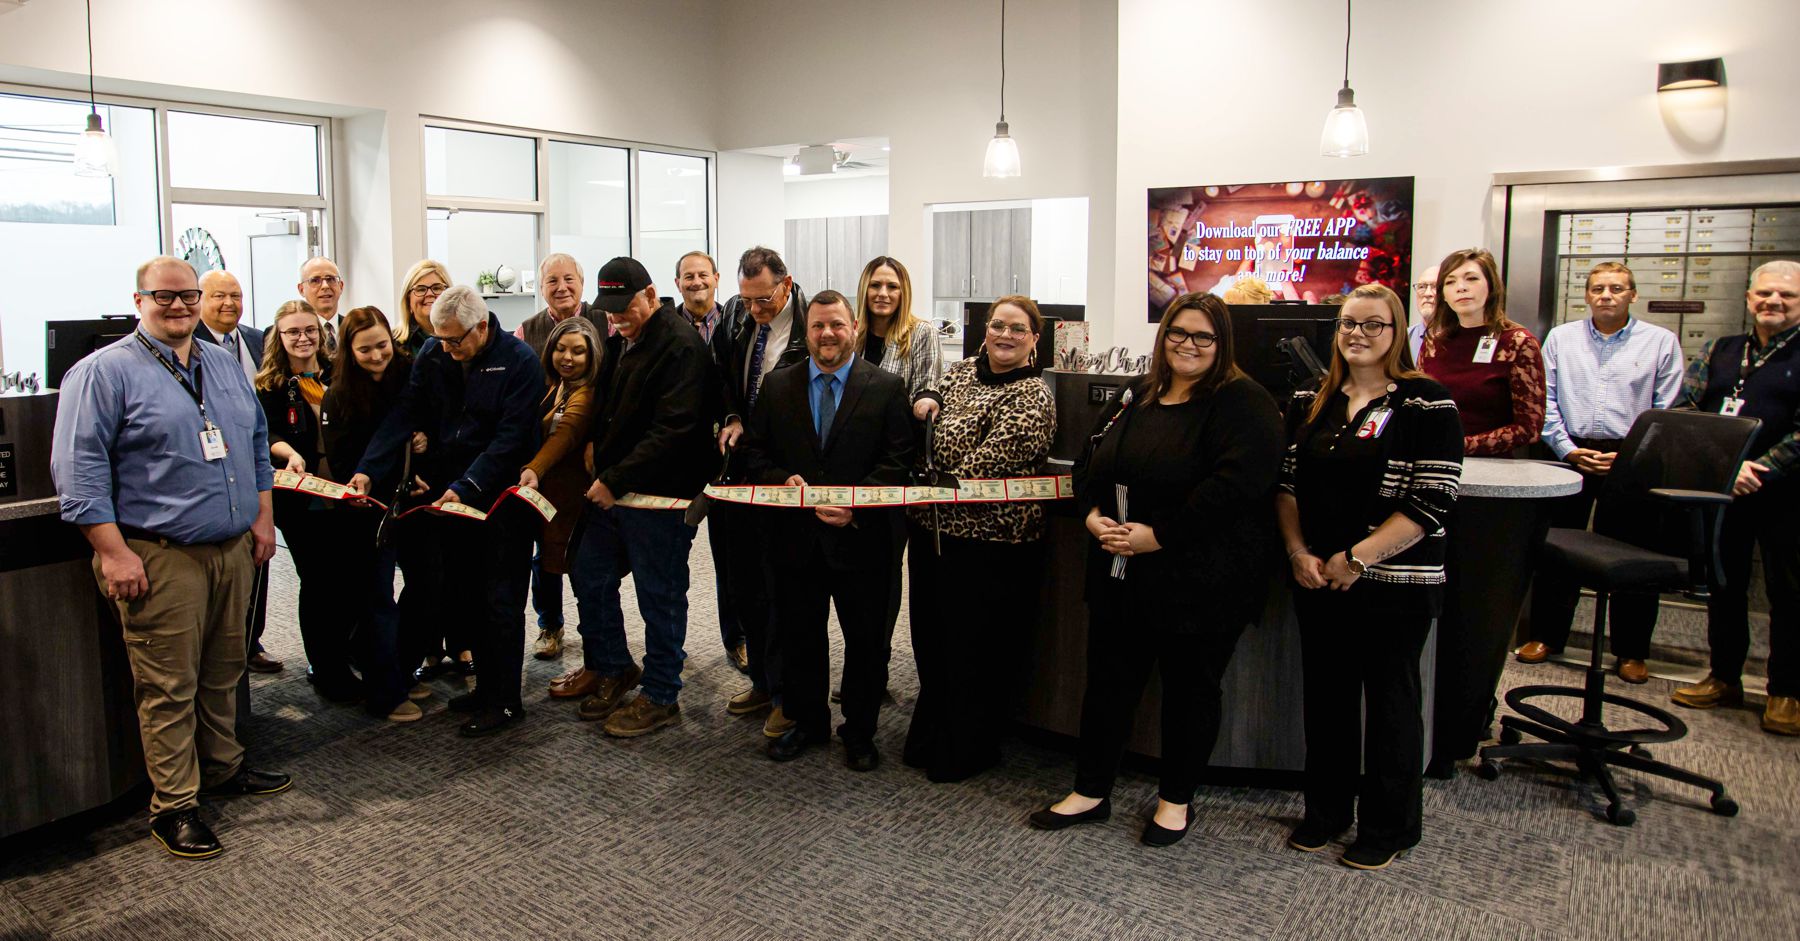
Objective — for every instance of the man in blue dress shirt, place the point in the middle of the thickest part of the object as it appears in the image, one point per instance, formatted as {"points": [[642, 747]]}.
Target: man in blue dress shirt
{"points": [[1600, 374], [161, 457]]}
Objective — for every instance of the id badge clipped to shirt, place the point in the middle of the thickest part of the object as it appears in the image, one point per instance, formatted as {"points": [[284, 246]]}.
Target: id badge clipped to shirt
{"points": [[1373, 425], [1484, 351], [1731, 406], [212, 443]]}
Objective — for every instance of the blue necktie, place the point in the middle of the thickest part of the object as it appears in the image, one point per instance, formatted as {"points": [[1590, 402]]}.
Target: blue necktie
{"points": [[756, 358], [827, 406]]}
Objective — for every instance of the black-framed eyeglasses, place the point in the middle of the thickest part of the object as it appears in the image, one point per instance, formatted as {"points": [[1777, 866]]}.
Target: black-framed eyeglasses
{"points": [[999, 329], [1201, 341], [455, 343], [433, 290], [295, 333], [1369, 328], [324, 281], [167, 298]]}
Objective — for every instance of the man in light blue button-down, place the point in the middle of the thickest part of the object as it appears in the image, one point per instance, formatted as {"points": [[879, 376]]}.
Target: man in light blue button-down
{"points": [[1600, 374], [161, 457]]}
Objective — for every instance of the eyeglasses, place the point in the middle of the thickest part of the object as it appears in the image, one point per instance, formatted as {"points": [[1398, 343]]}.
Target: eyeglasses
{"points": [[1424, 285], [766, 301], [167, 298], [295, 333], [455, 343], [324, 281], [1201, 341], [1369, 328], [433, 290], [999, 329]]}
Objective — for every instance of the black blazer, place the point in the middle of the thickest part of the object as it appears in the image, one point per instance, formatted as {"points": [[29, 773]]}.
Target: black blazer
{"points": [[870, 444], [731, 346]]}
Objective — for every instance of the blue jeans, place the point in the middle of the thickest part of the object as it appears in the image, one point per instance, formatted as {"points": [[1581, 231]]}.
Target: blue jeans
{"points": [[651, 546], [546, 593]]}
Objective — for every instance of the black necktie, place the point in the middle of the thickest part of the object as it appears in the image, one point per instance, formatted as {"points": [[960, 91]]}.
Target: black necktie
{"points": [[827, 406]]}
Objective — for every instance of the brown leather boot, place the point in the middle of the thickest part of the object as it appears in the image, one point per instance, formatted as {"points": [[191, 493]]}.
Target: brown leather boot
{"points": [[1533, 652], [1636, 672], [1782, 715]]}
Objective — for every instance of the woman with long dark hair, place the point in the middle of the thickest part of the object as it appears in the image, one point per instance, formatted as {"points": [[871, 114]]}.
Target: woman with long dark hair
{"points": [[1491, 366], [994, 418], [1374, 459], [1175, 487], [369, 372], [290, 387]]}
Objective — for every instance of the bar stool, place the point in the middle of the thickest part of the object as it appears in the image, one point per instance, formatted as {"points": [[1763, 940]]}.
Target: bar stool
{"points": [[1676, 459]]}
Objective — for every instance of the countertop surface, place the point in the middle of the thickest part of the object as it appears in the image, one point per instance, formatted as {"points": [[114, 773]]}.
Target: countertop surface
{"points": [[1508, 479], [28, 508]]}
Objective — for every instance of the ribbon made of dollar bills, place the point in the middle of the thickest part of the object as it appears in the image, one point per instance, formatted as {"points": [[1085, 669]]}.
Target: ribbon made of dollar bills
{"points": [[1007, 490]]}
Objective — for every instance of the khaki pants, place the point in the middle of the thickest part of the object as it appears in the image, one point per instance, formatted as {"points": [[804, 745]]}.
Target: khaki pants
{"points": [[185, 641]]}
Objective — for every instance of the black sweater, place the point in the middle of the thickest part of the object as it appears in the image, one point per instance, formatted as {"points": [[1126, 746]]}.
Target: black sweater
{"points": [[348, 430], [1201, 474], [1346, 485]]}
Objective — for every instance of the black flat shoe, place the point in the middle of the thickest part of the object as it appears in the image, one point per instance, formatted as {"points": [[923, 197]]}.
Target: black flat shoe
{"points": [[489, 721], [248, 782], [1155, 834], [466, 702], [792, 744], [1048, 819], [861, 756], [1368, 858], [184, 834]]}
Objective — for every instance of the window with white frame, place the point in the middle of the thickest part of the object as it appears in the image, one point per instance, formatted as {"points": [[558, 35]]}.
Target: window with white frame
{"points": [[243, 190], [498, 200]]}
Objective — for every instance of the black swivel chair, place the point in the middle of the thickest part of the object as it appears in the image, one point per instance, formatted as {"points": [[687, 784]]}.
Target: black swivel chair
{"points": [[1671, 459]]}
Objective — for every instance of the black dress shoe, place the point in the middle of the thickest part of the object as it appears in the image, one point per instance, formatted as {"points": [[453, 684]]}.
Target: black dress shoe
{"points": [[466, 702], [792, 744], [184, 834], [489, 721], [1048, 819], [1155, 834], [249, 782], [465, 667], [861, 756]]}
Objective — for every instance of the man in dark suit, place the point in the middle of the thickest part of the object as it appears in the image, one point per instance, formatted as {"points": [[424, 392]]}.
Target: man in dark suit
{"points": [[834, 420], [222, 323], [769, 312]]}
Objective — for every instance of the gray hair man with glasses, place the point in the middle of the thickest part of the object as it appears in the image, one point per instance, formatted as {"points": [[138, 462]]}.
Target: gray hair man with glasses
{"points": [[160, 457], [323, 287], [1425, 294]]}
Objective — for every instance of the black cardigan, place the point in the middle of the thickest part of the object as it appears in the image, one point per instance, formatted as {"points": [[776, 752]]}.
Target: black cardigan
{"points": [[279, 405], [1207, 496], [1413, 467], [348, 431]]}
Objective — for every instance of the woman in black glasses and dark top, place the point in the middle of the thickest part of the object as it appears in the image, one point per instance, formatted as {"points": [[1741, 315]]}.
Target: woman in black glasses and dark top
{"points": [[290, 386], [1175, 486], [1373, 463], [369, 371]]}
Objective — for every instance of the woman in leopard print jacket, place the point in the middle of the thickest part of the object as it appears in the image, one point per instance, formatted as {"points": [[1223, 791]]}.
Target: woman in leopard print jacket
{"points": [[995, 419]]}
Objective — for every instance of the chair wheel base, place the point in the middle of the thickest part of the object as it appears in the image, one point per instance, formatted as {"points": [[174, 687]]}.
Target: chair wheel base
{"points": [[1620, 816], [1724, 806], [1510, 736], [1641, 752], [1488, 770]]}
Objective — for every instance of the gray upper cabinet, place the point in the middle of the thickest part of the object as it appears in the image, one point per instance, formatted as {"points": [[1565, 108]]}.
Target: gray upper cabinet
{"points": [[950, 254], [831, 252], [981, 254], [806, 255]]}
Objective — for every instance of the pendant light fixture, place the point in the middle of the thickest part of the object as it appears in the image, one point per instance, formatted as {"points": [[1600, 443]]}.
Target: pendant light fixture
{"points": [[96, 153], [1346, 134], [1002, 152]]}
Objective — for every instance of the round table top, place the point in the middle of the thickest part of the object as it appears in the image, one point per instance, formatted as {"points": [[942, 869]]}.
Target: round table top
{"points": [[1509, 479]]}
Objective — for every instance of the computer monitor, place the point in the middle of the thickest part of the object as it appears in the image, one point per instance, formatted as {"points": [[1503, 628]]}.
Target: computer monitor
{"points": [[1258, 331], [67, 341]]}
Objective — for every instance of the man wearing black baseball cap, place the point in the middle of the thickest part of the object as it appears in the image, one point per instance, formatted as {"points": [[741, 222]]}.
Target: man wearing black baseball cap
{"points": [[652, 438]]}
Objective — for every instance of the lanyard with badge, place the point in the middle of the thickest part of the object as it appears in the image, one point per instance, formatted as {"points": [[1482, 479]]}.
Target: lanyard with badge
{"points": [[212, 440], [1734, 402], [1484, 350], [1376, 421]]}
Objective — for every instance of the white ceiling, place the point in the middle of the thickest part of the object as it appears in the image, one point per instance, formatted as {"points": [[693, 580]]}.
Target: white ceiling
{"points": [[870, 152]]}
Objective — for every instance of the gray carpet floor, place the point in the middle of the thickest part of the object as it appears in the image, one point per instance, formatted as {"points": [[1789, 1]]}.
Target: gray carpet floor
{"points": [[554, 831]]}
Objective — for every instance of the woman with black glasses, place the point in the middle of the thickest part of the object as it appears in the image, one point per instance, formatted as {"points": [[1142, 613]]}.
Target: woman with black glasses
{"points": [[994, 419], [1373, 462], [291, 386], [1175, 486]]}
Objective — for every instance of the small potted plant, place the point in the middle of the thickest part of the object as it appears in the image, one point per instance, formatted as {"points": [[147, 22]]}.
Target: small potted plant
{"points": [[486, 283]]}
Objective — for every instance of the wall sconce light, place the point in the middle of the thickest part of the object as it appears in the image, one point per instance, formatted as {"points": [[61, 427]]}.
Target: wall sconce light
{"points": [[1700, 73]]}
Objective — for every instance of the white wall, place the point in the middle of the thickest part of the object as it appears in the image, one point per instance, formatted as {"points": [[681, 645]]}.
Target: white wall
{"points": [[820, 199], [751, 197], [1059, 250], [936, 100], [540, 64], [1454, 93]]}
